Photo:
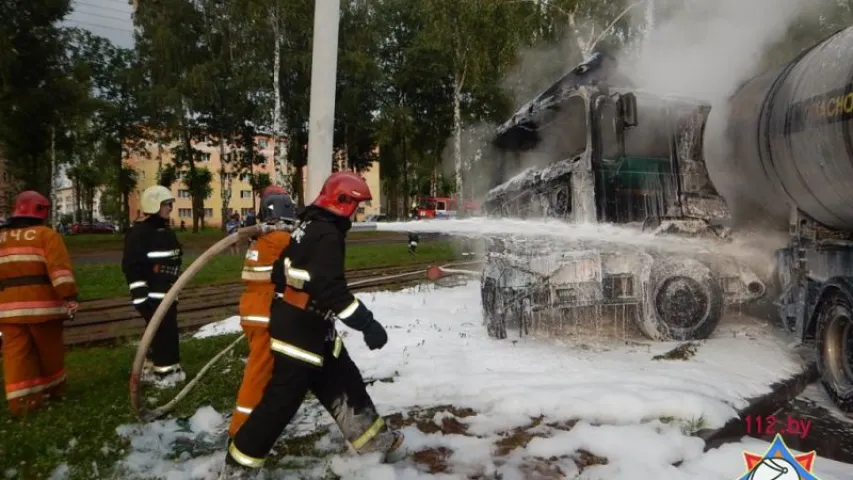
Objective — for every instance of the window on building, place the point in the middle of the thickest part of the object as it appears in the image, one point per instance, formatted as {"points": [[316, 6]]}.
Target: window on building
{"points": [[245, 211], [360, 209], [245, 177], [263, 142], [185, 212], [183, 194], [245, 194], [204, 157], [208, 213], [367, 203]]}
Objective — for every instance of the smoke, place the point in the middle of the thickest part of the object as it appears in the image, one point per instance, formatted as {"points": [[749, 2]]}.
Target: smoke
{"points": [[705, 49]]}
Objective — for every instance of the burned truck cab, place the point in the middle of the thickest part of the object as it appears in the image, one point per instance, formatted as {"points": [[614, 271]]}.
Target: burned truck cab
{"points": [[590, 152]]}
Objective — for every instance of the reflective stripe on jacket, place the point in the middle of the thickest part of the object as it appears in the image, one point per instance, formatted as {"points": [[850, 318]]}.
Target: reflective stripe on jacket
{"points": [[36, 278], [257, 276]]}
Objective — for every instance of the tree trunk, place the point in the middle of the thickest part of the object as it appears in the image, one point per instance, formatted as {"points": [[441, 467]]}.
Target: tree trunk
{"points": [[458, 81], [252, 181], [406, 189], [52, 193], [224, 181], [196, 201], [299, 195], [279, 152]]}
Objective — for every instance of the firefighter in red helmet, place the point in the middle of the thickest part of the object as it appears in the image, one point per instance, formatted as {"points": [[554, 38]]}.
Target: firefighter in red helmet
{"points": [[311, 293], [37, 292]]}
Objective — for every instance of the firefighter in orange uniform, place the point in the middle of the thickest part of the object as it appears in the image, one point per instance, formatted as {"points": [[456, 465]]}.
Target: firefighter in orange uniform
{"points": [[276, 206], [37, 292]]}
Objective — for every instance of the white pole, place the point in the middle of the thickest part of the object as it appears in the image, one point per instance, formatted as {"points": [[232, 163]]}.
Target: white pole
{"points": [[324, 71]]}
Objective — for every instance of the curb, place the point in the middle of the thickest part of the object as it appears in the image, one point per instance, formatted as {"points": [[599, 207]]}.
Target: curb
{"points": [[781, 393]]}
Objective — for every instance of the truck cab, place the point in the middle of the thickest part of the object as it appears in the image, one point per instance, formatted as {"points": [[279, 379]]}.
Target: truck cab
{"points": [[599, 154]]}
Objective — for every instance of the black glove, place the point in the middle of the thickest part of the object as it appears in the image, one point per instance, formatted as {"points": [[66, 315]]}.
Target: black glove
{"points": [[375, 336], [363, 321]]}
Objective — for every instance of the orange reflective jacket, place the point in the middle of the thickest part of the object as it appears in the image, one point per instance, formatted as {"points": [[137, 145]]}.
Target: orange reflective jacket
{"points": [[257, 270], [35, 275]]}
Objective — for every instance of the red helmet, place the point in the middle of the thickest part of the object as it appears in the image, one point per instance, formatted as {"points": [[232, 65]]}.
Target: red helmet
{"points": [[31, 204], [273, 189], [342, 192]]}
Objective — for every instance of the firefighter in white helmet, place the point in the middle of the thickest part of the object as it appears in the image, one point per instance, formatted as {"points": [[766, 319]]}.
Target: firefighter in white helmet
{"points": [[151, 264]]}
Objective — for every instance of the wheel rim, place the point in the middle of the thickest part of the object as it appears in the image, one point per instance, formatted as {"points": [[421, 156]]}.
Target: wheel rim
{"points": [[838, 348], [682, 303]]}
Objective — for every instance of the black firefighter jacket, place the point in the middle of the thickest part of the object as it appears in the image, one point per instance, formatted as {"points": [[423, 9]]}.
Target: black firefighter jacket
{"points": [[152, 260], [312, 291]]}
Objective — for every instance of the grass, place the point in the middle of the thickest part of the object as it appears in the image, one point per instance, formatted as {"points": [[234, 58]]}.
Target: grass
{"points": [[81, 430], [102, 243], [106, 280]]}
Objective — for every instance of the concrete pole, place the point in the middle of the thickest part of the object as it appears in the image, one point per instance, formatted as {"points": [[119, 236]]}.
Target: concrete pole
{"points": [[324, 72]]}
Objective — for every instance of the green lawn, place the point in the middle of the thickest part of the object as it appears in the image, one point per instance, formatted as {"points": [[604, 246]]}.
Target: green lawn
{"points": [[100, 243], [81, 431], [106, 281]]}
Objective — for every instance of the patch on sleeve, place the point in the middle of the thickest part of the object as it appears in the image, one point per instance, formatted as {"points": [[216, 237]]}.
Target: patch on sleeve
{"points": [[252, 255]]}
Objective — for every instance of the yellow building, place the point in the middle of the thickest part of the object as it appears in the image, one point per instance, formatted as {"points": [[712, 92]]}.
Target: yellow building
{"points": [[242, 197]]}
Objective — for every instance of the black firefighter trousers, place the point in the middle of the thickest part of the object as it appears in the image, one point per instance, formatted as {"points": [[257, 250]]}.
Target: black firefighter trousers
{"points": [[165, 351], [338, 386]]}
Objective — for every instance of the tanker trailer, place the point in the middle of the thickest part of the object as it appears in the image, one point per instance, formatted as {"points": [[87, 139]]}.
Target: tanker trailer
{"points": [[601, 151], [790, 136]]}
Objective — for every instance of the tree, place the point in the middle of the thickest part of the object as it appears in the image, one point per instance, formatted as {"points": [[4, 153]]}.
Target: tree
{"points": [[259, 182], [168, 47], [36, 90]]}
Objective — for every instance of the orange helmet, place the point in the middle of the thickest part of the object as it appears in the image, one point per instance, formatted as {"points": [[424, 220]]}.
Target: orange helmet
{"points": [[31, 204], [342, 192]]}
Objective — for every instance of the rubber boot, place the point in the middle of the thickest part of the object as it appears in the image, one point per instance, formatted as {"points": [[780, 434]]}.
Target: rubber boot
{"points": [[236, 472], [388, 443], [169, 378]]}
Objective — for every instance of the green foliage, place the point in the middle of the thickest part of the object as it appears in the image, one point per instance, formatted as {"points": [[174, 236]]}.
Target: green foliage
{"points": [[425, 82], [259, 182]]}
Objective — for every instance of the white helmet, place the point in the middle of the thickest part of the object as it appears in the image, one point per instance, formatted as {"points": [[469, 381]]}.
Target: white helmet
{"points": [[153, 197]]}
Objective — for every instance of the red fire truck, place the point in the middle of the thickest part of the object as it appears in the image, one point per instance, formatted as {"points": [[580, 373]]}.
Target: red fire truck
{"points": [[442, 207]]}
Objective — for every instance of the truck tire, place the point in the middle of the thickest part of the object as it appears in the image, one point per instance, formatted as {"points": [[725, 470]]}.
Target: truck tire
{"points": [[834, 343], [683, 301]]}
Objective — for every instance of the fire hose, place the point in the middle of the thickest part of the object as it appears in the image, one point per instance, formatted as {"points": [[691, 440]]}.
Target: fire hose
{"points": [[242, 234]]}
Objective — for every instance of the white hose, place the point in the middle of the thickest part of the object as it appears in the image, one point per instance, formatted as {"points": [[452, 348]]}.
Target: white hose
{"points": [[220, 246], [135, 385]]}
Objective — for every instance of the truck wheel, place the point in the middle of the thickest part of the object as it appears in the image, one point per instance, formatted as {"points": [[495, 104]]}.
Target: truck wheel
{"points": [[683, 301], [834, 342]]}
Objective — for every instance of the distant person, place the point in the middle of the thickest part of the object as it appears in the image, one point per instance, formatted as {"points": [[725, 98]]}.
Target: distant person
{"points": [[183, 225], [37, 292], [413, 242], [231, 228], [251, 219], [255, 302], [151, 264]]}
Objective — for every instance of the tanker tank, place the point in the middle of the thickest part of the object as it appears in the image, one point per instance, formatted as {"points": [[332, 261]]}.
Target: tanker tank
{"points": [[790, 138]]}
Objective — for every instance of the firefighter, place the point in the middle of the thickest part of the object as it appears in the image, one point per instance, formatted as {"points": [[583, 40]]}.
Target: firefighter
{"points": [[255, 302], [413, 242], [151, 265], [310, 294], [37, 292]]}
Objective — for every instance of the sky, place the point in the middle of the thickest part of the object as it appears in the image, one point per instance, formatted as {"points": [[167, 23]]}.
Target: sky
{"points": [[107, 18]]}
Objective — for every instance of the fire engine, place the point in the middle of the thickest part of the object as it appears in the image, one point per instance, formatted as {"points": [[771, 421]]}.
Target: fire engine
{"points": [[442, 207]]}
